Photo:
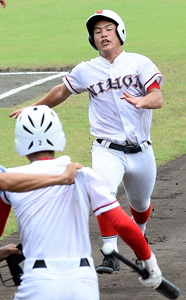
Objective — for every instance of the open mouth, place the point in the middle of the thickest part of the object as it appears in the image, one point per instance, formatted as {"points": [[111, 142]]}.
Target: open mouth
{"points": [[105, 42]]}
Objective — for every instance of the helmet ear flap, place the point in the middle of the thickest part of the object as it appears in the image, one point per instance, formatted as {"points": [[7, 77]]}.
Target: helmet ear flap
{"points": [[91, 41], [121, 33]]}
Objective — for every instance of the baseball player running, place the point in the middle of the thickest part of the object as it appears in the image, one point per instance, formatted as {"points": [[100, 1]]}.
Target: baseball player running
{"points": [[53, 222], [123, 89]]}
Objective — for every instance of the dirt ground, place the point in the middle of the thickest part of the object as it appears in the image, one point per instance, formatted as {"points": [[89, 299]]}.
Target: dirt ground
{"points": [[166, 228]]}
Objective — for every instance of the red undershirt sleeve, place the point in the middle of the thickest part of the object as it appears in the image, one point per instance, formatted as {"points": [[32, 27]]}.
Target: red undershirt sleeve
{"points": [[154, 85], [129, 231], [4, 213]]}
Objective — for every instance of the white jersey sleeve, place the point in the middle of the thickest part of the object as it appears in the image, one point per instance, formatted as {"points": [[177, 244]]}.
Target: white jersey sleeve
{"points": [[88, 183], [75, 85], [148, 72]]}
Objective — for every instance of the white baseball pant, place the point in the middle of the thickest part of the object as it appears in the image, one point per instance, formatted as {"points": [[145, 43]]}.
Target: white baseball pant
{"points": [[61, 279], [137, 172]]}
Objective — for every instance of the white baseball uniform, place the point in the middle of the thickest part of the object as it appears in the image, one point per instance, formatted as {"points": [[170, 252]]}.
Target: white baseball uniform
{"points": [[54, 230], [114, 120]]}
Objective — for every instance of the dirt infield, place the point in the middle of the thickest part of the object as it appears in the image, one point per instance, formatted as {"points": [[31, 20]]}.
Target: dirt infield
{"points": [[166, 232]]}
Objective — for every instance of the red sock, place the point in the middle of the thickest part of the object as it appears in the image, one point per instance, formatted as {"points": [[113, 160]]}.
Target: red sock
{"points": [[129, 231], [141, 217], [105, 227]]}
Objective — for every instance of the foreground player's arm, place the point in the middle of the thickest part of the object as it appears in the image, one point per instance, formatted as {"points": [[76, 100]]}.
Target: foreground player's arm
{"points": [[16, 182], [8, 250], [57, 95]]}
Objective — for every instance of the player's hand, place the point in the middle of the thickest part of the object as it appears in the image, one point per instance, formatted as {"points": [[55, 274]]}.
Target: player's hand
{"points": [[136, 102], [16, 113], [8, 250], [155, 275], [70, 173], [3, 3]]}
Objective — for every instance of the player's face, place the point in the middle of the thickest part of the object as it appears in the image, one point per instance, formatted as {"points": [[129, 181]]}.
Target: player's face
{"points": [[105, 37]]}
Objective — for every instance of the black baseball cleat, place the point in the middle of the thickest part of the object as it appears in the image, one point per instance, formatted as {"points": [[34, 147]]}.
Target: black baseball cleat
{"points": [[109, 265]]}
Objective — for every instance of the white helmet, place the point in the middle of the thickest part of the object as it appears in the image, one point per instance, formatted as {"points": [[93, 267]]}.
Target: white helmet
{"points": [[105, 14], [38, 128]]}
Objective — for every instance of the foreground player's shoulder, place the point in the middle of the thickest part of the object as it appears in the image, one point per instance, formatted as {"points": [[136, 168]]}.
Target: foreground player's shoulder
{"points": [[2, 169], [89, 177], [20, 169], [63, 160], [88, 172]]}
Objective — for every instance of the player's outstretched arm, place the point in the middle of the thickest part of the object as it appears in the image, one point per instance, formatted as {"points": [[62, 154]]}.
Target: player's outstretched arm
{"points": [[16, 182], [8, 250], [3, 3], [152, 100], [57, 95]]}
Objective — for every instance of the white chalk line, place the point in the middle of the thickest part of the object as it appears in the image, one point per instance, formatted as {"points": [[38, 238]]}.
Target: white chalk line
{"points": [[31, 73], [29, 85]]}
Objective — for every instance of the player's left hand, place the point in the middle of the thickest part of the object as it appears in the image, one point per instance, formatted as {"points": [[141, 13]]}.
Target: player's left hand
{"points": [[70, 172], [136, 102]]}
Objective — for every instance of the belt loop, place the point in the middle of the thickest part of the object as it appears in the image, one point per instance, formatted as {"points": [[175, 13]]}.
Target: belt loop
{"points": [[145, 145], [84, 262], [105, 143], [39, 264]]}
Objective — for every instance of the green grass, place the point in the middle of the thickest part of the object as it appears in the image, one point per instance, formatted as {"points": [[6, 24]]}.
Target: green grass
{"points": [[47, 35], [41, 34]]}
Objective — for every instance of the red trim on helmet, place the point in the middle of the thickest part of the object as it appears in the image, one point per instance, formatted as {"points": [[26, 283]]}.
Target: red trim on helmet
{"points": [[99, 11]]}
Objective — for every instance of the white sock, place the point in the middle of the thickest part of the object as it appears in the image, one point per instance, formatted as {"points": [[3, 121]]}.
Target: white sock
{"points": [[142, 227]]}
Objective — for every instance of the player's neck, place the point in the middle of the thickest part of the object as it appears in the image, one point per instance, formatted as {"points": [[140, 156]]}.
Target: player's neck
{"points": [[110, 55], [41, 155]]}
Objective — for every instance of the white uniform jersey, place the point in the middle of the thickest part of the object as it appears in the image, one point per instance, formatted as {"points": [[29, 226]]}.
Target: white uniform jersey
{"points": [[110, 117], [53, 221]]}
